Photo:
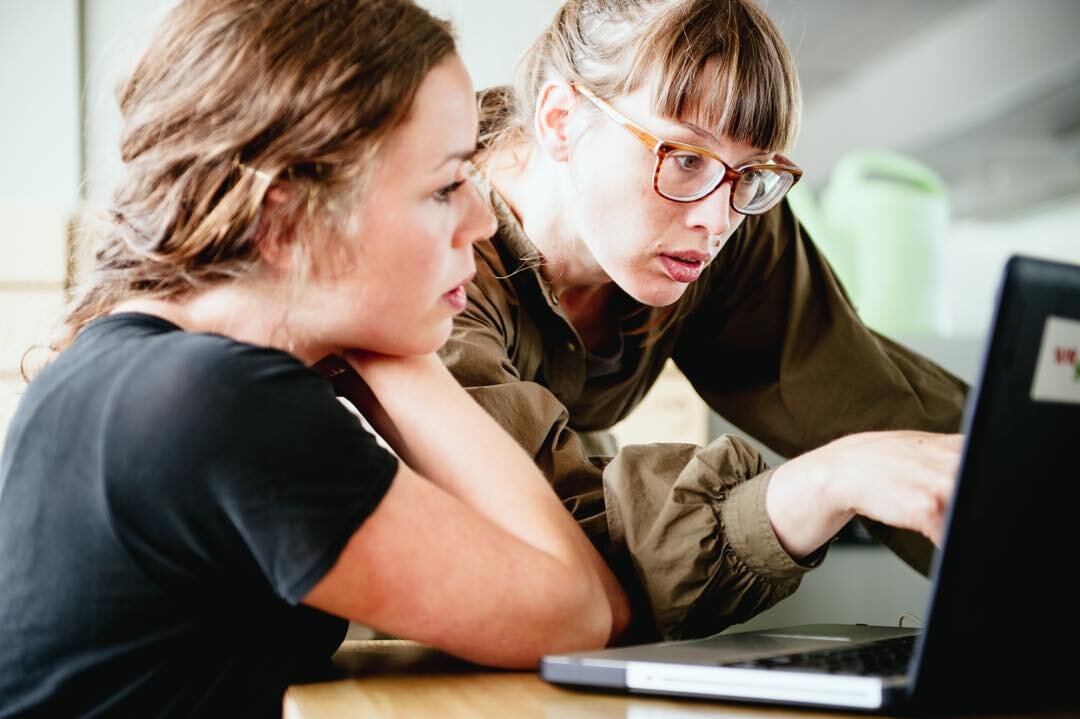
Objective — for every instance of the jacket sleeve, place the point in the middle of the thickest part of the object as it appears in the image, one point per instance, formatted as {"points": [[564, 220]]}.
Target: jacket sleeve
{"points": [[683, 527], [776, 347]]}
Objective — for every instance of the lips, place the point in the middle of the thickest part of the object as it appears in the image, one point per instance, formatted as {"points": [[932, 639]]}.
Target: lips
{"points": [[684, 267], [456, 297]]}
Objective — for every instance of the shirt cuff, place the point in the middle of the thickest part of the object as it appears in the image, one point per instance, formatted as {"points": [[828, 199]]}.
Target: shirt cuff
{"points": [[750, 534]]}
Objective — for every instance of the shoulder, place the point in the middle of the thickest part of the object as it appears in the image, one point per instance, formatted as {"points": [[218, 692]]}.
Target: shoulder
{"points": [[204, 411], [201, 390], [760, 244], [492, 291], [185, 365]]}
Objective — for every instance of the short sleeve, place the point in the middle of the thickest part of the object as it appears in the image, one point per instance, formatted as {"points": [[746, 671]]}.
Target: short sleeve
{"points": [[243, 470]]}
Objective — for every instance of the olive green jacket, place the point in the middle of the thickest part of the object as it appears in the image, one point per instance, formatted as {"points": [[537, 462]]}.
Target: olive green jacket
{"points": [[768, 339]]}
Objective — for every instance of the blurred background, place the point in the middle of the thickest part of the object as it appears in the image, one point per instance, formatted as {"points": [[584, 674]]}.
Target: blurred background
{"points": [[939, 137]]}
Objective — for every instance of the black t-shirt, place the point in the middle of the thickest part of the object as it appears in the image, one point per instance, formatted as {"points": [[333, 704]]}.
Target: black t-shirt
{"points": [[166, 500]]}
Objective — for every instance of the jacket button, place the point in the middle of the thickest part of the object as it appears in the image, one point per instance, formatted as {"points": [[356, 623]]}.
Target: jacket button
{"points": [[571, 347]]}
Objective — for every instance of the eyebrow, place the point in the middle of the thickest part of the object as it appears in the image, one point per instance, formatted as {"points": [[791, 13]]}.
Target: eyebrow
{"points": [[706, 135], [461, 155]]}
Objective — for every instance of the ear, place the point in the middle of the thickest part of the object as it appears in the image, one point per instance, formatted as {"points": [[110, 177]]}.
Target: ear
{"points": [[274, 234], [550, 123]]}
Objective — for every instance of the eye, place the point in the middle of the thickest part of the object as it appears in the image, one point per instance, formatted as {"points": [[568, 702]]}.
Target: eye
{"points": [[443, 193], [688, 161]]}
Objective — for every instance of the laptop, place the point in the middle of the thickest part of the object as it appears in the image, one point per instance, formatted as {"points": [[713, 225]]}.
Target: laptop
{"points": [[1002, 627]]}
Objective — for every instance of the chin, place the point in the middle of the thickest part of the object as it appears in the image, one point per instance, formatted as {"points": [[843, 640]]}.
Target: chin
{"points": [[656, 293], [420, 341]]}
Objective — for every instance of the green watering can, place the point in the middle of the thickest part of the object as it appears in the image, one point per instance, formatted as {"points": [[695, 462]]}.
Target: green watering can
{"points": [[882, 222]]}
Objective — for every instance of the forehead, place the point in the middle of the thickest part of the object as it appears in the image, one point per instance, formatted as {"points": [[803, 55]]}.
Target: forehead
{"points": [[443, 117]]}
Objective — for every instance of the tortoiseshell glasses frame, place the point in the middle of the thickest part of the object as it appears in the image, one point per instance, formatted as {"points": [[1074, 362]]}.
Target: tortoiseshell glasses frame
{"points": [[755, 188]]}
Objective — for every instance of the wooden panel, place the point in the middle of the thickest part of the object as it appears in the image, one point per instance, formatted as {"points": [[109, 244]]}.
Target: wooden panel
{"points": [[671, 412]]}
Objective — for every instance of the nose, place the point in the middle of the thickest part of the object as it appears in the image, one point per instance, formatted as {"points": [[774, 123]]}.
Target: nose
{"points": [[713, 213], [478, 222]]}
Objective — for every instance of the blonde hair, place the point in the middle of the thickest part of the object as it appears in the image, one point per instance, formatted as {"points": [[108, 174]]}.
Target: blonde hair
{"points": [[720, 63], [231, 96]]}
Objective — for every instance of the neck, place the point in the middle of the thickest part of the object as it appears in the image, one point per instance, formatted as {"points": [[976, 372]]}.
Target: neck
{"points": [[245, 311], [536, 190]]}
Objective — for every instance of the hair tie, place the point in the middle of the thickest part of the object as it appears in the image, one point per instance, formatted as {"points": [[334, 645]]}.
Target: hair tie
{"points": [[261, 174]]}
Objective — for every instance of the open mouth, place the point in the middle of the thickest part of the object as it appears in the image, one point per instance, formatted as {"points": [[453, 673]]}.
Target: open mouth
{"points": [[682, 268], [456, 298]]}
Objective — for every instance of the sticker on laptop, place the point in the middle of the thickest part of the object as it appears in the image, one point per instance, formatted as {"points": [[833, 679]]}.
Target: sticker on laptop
{"points": [[1057, 372]]}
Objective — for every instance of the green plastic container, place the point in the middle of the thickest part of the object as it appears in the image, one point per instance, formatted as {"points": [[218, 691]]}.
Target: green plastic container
{"points": [[886, 219]]}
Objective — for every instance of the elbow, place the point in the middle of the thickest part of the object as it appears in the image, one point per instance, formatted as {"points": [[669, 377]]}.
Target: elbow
{"points": [[578, 619], [592, 622], [585, 622]]}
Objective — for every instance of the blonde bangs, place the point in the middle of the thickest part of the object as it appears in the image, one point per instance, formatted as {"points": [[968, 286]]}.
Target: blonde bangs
{"points": [[724, 67]]}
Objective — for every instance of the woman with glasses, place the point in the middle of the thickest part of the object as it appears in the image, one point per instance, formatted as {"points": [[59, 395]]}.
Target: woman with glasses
{"points": [[638, 175]]}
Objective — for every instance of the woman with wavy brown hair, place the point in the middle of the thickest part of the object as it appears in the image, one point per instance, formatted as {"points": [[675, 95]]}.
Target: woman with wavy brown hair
{"points": [[638, 169], [188, 515]]}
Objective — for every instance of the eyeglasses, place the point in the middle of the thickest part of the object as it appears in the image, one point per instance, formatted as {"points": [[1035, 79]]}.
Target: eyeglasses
{"points": [[685, 173]]}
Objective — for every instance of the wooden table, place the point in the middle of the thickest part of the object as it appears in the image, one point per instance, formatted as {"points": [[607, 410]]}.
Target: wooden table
{"points": [[402, 680]]}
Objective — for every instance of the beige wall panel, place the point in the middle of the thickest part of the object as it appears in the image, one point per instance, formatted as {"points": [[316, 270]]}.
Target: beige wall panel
{"points": [[33, 243], [10, 394], [670, 412], [29, 317]]}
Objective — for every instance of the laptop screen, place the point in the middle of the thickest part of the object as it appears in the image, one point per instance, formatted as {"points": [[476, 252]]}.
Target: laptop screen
{"points": [[999, 599]]}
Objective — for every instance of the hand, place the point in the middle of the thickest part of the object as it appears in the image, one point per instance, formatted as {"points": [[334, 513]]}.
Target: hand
{"points": [[902, 478]]}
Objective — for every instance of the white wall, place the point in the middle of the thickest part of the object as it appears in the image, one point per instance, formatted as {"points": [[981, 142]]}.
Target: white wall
{"points": [[977, 251], [39, 183], [491, 34], [115, 33], [39, 87]]}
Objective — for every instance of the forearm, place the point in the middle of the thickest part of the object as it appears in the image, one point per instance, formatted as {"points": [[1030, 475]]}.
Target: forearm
{"points": [[450, 440]]}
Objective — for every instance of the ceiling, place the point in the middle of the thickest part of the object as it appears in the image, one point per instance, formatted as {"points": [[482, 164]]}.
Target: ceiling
{"points": [[993, 88], [830, 38]]}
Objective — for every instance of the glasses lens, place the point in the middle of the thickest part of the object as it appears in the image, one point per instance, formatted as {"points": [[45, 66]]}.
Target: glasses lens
{"points": [[760, 189], [687, 176]]}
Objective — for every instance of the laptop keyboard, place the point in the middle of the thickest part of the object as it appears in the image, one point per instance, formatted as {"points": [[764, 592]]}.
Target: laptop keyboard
{"points": [[887, 657]]}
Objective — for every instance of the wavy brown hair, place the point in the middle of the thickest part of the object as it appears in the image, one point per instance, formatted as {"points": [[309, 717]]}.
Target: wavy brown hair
{"points": [[720, 63], [230, 97]]}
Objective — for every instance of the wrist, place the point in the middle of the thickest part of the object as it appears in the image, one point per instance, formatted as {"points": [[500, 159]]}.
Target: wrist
{"points": [[827, 475], [389, 374], [806, 503]]}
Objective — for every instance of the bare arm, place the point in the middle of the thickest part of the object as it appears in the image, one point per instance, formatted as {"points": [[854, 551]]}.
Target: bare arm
{"points": [[481, 560]]}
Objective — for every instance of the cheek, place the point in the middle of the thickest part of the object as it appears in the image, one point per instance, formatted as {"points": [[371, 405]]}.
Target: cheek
{"points": [[625, 223], [403, 253], [618, 212]]}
